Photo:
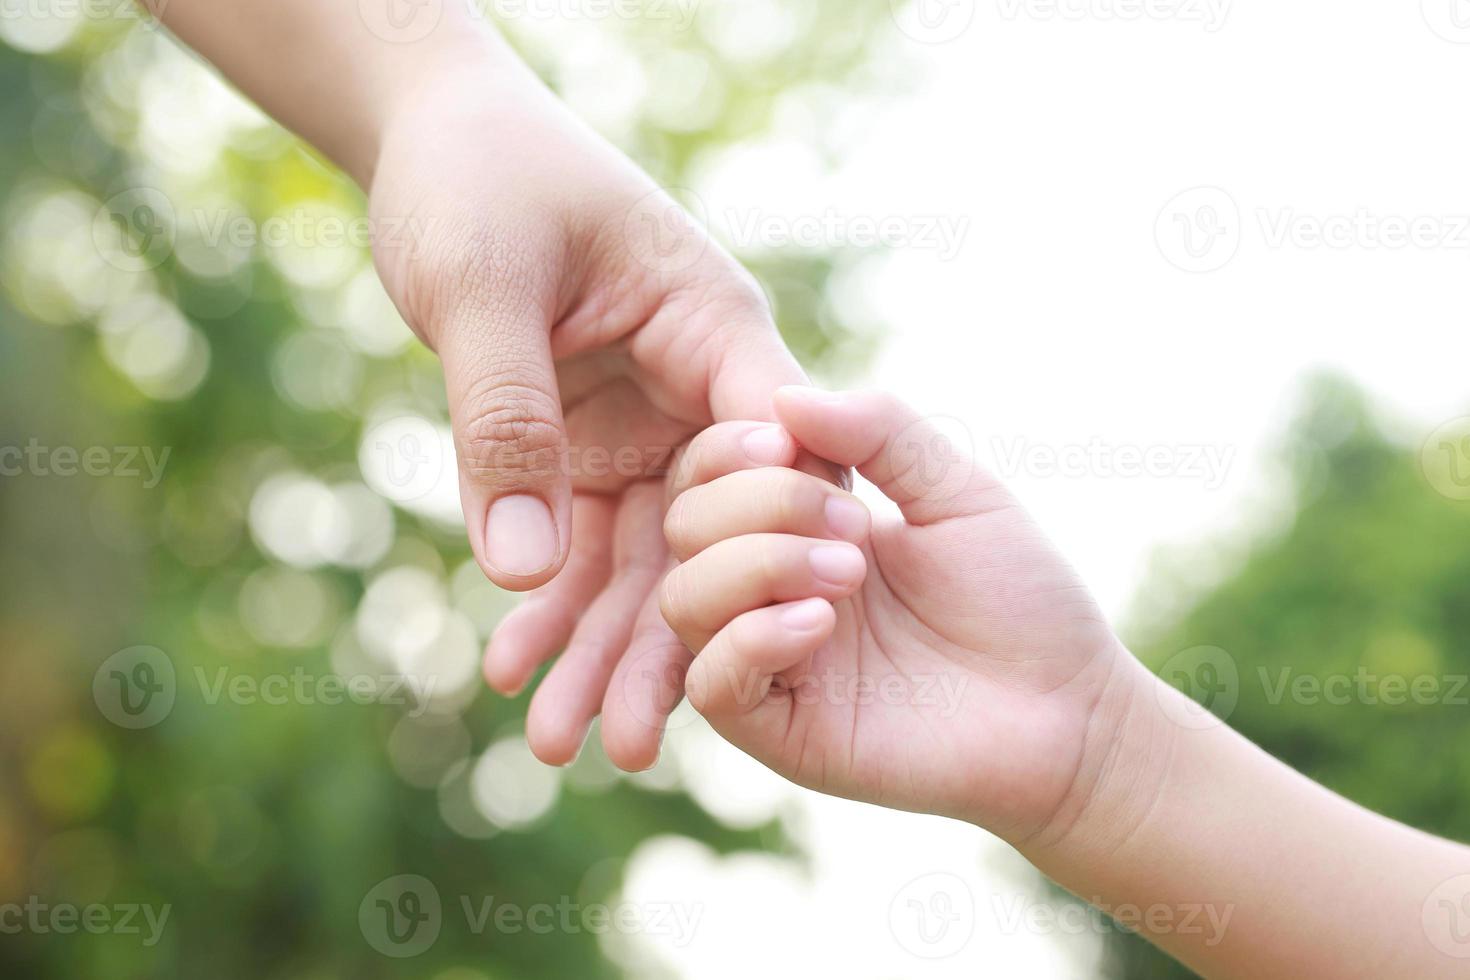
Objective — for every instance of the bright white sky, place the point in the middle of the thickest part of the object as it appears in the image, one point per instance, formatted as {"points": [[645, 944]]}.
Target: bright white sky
{"points": [[1061, 320]]}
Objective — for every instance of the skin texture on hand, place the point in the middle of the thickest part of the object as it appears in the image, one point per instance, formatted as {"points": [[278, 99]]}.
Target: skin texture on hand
{"points": [[586, 325], [952, 664], [587, 329]]}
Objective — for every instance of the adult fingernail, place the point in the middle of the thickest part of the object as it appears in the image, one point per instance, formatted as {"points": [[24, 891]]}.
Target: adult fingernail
{"points": [[837, 564], [520, 536], [766, 445], [805, 616], [847, 518]]}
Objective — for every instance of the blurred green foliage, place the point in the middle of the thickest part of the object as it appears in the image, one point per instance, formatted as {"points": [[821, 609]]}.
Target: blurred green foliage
{"points": [[1329, 619], [264, 826]]}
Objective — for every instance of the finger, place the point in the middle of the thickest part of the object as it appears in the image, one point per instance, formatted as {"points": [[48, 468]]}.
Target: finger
{"points": [[536, 629], [647, 685], [572, 693], [763, 500], [744, 361], [731, 678], [726, 447], [739, 574], [510, 438], [749, 361], [925, 467]]}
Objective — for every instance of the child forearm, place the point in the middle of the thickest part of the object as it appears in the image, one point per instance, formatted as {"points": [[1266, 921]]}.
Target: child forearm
{"points": [[1242, 867]]}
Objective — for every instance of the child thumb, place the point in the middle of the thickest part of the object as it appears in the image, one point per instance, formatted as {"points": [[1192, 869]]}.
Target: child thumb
{"points": [[925, 464]]}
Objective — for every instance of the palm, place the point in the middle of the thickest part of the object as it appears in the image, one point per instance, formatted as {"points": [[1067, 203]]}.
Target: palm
{"points": [[986, 709]]}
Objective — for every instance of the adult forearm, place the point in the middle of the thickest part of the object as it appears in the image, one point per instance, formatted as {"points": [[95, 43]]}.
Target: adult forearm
{"points": [[1242, 867], [336, 71]]}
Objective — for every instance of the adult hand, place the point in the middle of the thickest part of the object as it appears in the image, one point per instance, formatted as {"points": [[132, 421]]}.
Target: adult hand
{"points": [[587, 328], [586, 325]]}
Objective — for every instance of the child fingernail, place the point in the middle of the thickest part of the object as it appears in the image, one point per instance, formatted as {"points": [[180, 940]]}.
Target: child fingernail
{"points": [[805, 616], [847, 518], [766, 445], [837, 564]]}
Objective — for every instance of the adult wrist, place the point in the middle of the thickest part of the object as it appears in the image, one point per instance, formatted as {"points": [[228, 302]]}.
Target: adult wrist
{"points": [[405, 83]]}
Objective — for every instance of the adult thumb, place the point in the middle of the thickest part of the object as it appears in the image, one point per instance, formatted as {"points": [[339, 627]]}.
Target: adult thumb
{"points": [[745, 375], [511, 442]]}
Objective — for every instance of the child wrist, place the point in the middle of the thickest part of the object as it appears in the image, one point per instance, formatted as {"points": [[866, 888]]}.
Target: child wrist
{"points": [[1124, 771]]}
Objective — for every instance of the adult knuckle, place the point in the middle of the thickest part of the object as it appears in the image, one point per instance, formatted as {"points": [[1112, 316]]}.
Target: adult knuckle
{"points": [[511, 427]]}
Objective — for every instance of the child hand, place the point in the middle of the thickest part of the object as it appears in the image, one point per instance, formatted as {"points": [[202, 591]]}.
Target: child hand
{"points": [[947, 661]]}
